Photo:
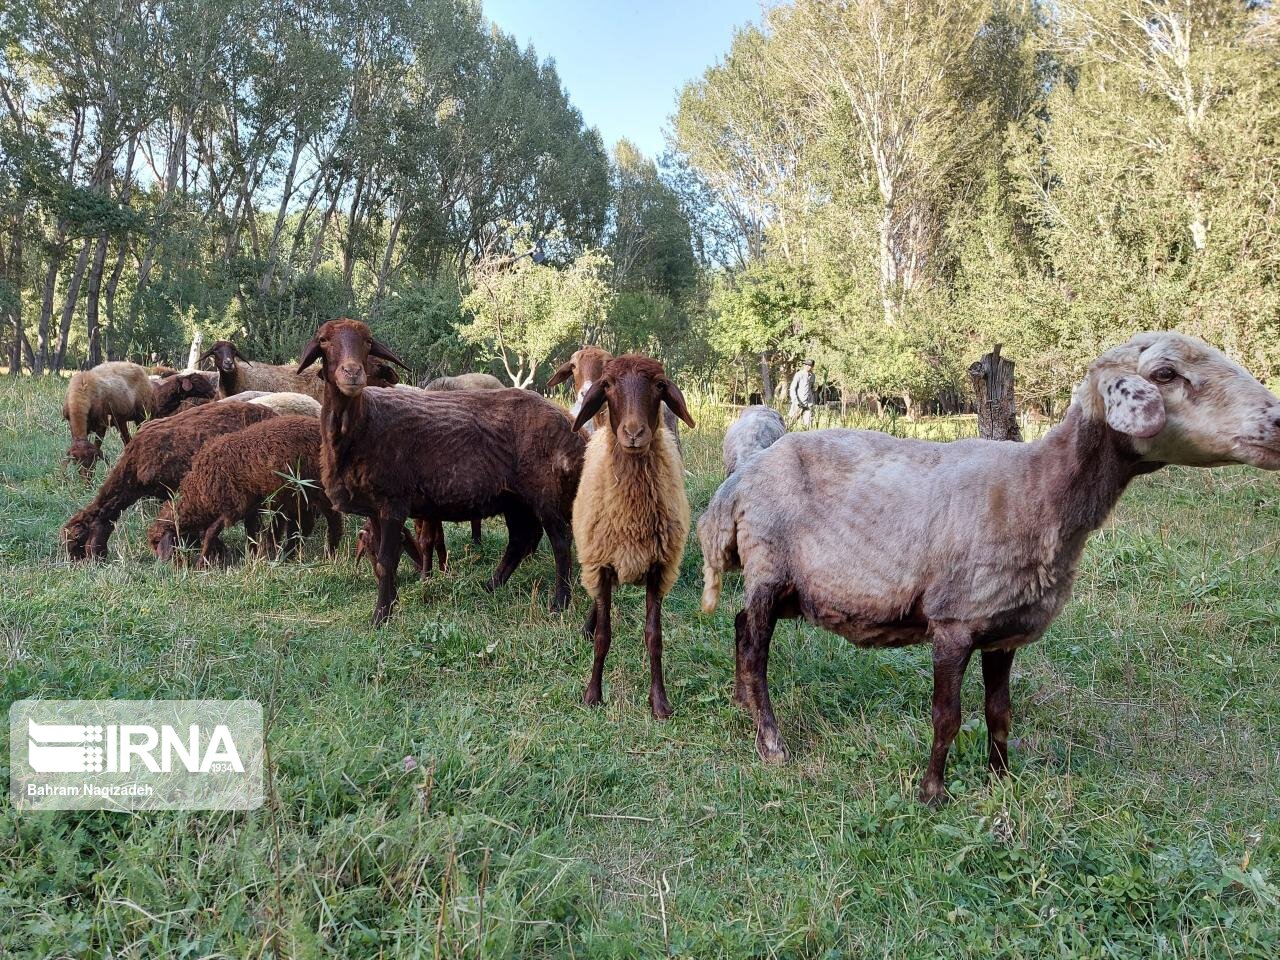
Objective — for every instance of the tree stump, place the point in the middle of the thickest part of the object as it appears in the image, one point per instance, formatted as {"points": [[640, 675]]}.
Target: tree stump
{"points": [[193, 355], [992, 378]]}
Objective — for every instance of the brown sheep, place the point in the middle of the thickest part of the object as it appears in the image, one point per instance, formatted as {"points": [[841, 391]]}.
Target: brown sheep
{"points": [[969, 546], [631, 514], [153, 465], [171, 393], [114, 393], [233, 476], [390, 455]]}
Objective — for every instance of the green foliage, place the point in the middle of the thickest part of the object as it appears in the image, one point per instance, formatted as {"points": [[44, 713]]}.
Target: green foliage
{"points": [[522, 312], [420, 322]]}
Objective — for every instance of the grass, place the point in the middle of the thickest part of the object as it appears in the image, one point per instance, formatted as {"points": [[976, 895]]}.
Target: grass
{"points": [[1140, 820]]}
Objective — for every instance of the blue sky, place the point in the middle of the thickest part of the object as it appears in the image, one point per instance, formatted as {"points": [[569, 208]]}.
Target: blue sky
{"points": [[623, 61]]}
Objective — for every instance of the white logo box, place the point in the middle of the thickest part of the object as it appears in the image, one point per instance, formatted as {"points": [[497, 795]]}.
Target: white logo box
{"points": [[135, 754]]}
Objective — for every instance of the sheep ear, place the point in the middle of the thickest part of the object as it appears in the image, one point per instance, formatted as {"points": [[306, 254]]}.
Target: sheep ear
{"points": [[310, 354], [591, 404], [205, 356], [238, 355], [674, 399], [1133, 404], [378, 350], [563, 373], [184, 383]]}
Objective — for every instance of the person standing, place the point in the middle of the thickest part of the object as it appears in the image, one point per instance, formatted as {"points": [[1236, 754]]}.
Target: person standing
{"points": [[804, 394]]}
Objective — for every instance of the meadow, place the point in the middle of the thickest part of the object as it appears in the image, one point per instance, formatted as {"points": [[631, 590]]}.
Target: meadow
{"points": [[437, 789]]}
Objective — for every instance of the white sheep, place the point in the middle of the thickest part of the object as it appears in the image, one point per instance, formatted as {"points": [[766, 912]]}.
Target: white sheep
{"points": [[631, 514], [971, 545]]}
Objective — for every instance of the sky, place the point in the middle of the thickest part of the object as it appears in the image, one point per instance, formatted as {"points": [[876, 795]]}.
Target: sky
{"points": [[622, 61]]}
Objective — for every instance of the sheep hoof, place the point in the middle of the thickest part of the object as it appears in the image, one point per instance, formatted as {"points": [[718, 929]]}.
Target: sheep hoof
{"points": [[771, 747], [659, 707], [932, 793], [592, 697], [489, 586], [380, 616], [558, 603]]}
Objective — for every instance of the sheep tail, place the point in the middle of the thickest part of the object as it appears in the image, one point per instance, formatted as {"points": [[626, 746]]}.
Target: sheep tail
{"points": [[718, 534], [78, 404]]}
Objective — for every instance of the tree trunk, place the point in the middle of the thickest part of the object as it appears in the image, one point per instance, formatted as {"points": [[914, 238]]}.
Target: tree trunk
{"points": [[766, 378], [13, 270], [93, 294], [193, 355], [69, 307], [992, 378]]}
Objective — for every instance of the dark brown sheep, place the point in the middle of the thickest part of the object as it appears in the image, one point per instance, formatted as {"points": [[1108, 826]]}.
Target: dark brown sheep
{"points": [[170, 393], [394, 454], [233, 476], [153, 465]]}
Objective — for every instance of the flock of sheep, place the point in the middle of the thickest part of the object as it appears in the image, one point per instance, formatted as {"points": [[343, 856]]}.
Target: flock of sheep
{"points": [[970, 546]]}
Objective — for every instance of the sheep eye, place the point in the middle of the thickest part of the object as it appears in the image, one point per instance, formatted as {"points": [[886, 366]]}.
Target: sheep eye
{"points": [[1164, 375]]}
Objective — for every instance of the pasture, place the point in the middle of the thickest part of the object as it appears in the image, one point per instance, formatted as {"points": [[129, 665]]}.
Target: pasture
{"points": [[437, 789]]}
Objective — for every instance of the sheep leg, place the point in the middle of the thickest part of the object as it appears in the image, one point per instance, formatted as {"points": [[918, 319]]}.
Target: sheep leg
{"points": [[996, 665], [475, 531], [211, 549], [523, 533], [952, 647], [658, 704], [122, 425], [442, 548], [333, 529], [561, 536], [753, 664], [389, 543], [603, 637], [741, 679]]}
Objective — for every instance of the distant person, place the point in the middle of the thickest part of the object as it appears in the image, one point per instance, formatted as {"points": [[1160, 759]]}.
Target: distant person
{"points": [[804, 394]]}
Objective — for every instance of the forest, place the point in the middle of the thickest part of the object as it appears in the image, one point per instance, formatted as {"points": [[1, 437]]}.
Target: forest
{"points": [[886, 187]]}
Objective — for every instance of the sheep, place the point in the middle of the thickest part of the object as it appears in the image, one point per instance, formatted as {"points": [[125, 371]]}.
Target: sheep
{"points": [[972, 545], [756, 428], [233, 476], [236, 377], [153, 465], [631, 514], [389, 455], [465, 381], [116, 392], [586, 365]]}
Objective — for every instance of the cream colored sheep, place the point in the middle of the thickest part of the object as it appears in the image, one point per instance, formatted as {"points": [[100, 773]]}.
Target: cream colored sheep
{"points": [[114, 393], [631, 514]]}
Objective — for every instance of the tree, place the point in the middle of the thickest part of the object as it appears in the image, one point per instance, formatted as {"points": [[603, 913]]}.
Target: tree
{"points": [[523, 312]]}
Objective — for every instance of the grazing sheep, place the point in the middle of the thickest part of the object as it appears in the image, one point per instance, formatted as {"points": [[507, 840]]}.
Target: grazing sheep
{"points": [[971, 546], [390, 454], [465, 381], [117, 392], [631, 515], [427, 536], [233, 476], [153, 465], [586, 366], [755, 429]]}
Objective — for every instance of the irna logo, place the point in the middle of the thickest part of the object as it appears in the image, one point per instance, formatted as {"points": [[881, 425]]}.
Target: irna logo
{"points": [[122, 748]]}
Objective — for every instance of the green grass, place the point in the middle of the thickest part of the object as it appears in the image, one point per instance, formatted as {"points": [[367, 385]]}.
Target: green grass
{"points": [[1140, 820]]}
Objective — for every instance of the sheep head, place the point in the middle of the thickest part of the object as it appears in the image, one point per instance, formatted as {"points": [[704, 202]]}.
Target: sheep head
{"points": [[1180, 401], [343, 348], [225, 355], [86, 454], [172, 391], [585, 366], [162, 535], [634, 387]]}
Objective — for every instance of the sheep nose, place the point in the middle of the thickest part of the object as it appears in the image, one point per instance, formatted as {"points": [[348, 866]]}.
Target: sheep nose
{"points": [[634, 436]]}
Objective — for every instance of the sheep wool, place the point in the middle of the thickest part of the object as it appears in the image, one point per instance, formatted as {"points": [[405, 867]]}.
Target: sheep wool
{"points": [[631, 512]]}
